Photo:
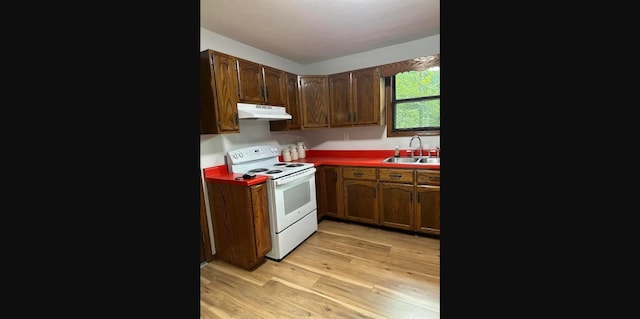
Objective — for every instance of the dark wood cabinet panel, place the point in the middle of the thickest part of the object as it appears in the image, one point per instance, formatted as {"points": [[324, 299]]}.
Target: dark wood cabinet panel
{"points": [[314, 101], [397, 208], [275, 86], [292, 106], [328, 191], [356, 98], [368, 97], [428, 201], [340, 99], [250, 82], [428, 209], [360, 201], [218, 93], [240, 223], [396, 205]]}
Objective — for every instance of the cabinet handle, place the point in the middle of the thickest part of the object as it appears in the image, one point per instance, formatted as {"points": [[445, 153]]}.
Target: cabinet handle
{"points": [[358, 174], [355, 117], [395, 175]]}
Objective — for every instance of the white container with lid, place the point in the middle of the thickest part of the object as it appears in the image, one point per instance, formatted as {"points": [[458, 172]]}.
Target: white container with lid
{"points": [[301, 152], [286, 155], [294, 153]]}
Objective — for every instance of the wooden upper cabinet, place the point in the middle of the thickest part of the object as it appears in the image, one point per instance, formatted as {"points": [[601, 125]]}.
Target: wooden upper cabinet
{"points": [[292, 105], [260, 84], [314, 101], [340, 99], [250, 82], [368, 97], [275, 86], [218, 93], [356, 98]]}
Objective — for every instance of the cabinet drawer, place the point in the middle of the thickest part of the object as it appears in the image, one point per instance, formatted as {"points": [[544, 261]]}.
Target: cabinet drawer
{"points": [[363, 173], [396, 175], [428, 177]]}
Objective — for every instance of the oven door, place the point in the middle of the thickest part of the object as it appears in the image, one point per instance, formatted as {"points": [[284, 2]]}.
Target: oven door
{"points": [[291, 198]]}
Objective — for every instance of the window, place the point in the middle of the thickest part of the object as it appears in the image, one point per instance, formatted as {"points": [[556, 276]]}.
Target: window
{"points": [[415, 102]]}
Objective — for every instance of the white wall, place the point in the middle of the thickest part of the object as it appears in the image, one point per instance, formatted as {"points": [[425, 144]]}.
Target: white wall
{"points": [[213, 147]]}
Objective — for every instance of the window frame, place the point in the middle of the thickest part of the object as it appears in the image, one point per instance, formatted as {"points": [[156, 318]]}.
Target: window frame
{"points": [[388, 72]]}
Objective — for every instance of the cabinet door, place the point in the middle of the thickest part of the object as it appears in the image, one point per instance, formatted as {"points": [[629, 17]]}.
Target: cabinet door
{"points": [[314, 101], [360, 201], [218, 93], [396, 205], [261, 220], [328, 191], [240, 223], [275, 87], [367, 96], [428, 209], [340, 99], [250, 82], [292, 105]]}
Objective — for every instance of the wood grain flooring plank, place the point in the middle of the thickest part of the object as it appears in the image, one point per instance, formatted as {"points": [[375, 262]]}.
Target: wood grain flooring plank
{"points": [[257, 278], [379, 236], [288, 272], [343, 270], [254, 300], [330, 264], [326, 306], [368, 299]]}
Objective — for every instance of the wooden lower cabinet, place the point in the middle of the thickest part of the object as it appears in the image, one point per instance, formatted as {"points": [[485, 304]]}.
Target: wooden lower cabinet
{"points": [[240, 219], [328, 191], [407, 199], [359, 189], [396, 201], [428, 201]]}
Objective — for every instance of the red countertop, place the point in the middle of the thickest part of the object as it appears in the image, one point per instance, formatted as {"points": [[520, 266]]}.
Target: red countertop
{"points": [[370, 158]]}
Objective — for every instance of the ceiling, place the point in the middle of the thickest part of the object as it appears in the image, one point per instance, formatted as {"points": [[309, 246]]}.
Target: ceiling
{"points": [[309, 31]]}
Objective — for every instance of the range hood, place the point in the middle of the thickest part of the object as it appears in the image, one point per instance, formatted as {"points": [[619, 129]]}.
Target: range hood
{"points": [[262, 112]]}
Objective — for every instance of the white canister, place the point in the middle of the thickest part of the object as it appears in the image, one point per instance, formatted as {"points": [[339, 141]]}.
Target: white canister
{"points": [[286, 155], [301, 151], [294, 153]]}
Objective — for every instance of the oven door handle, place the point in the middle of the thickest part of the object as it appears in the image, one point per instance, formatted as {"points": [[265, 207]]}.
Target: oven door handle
{"points": [[295, 177]]}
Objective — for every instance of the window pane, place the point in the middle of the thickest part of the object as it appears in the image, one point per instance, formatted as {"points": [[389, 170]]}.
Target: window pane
{"points": [[417, 114], [418, 83]]}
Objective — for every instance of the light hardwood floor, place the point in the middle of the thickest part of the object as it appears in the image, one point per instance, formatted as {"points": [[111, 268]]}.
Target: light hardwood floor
{"points": [[341, 271]]}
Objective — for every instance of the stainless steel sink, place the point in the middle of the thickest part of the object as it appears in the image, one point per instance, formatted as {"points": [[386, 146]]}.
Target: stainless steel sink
{"points": [[409, 160], [406, 160], [429, 160]]}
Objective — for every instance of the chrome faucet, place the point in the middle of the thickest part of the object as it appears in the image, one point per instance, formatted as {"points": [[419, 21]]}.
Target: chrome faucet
{"points": [[420, 145]]}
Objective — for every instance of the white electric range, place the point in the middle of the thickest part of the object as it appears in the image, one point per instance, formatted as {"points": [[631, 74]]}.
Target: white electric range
{"points": [[291, 192]]}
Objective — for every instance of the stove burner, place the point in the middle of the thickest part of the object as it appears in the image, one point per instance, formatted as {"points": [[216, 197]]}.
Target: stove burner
{"points": [[257, 170], [274, 171], [279, 164], [295, 165]]}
